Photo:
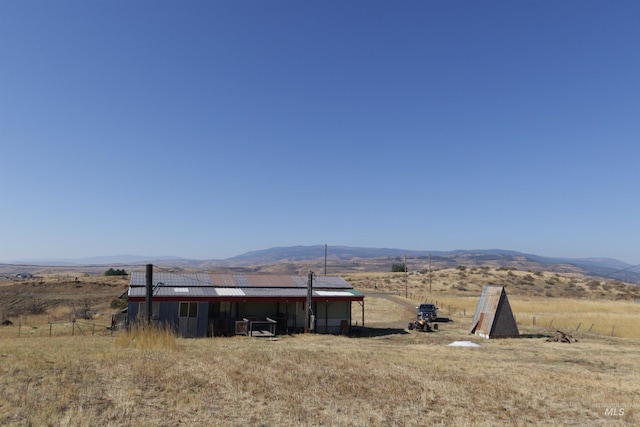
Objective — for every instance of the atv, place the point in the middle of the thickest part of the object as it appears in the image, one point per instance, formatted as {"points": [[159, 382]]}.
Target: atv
{"points": [[422, 325]]}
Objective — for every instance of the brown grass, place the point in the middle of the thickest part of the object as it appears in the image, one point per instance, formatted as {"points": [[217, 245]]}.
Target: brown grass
{"points": [[469, 282], [616, 318], [149, 377], [158, 337], [388, 376]]}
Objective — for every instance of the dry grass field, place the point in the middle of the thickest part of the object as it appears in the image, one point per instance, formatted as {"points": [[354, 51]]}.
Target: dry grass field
{"points": [[385, 376], [538, 299], [463, 281]]}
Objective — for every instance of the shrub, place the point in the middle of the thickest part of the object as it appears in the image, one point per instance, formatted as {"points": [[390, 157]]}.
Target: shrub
{"points": [[35, 307], [112, 272], [397, 268], [118, 304]]}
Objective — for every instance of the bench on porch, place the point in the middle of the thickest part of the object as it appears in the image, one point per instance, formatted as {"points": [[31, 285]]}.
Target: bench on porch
{"points": [[256, 328]]}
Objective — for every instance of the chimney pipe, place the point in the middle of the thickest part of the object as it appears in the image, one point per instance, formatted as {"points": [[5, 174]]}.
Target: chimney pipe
{"points": [[149, 294]]}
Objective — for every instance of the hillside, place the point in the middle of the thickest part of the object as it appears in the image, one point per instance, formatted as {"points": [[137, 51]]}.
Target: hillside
{"points": [[468, 282], [111, 377], [384, 375], [340, 259]]}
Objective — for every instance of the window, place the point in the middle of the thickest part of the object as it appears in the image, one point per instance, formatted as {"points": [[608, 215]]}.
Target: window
{"points": [[188, 309], [225, 309]]}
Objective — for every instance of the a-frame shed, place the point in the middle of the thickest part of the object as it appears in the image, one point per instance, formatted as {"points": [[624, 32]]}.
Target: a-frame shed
{"points": [[493, 317]]}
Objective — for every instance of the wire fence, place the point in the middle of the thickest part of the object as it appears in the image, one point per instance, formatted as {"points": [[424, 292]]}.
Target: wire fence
{"points": [[37, 327], [556, 321]]}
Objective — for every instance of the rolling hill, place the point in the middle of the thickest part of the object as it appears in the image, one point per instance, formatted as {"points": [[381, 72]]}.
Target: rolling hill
{"points": [[347, 258]]}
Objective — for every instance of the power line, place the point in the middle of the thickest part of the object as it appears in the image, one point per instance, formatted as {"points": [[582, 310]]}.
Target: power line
{"points": [[620, 271]]}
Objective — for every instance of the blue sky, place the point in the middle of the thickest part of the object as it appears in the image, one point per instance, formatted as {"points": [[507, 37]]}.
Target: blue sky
{"points": [[205, 129]]}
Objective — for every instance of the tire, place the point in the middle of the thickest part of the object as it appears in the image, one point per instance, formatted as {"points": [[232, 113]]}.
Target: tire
{"points": [[410, 326], [435, 326]]}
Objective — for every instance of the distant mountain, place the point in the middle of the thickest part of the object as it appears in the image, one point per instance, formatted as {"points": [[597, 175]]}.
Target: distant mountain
{"points": [[373, 259], [99, 260], [126, 259], [601, 267], [303, 253]]}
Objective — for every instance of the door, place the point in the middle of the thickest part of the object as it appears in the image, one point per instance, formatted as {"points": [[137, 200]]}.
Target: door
{"points": [[188, 319]]}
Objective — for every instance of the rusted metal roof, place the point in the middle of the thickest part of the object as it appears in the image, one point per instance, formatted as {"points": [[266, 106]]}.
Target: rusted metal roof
{"points": [[139, 278], [220, 286], [224, 280], [493, 317]]}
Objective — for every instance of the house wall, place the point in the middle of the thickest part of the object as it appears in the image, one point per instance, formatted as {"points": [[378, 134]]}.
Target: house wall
{"points": [[329, 317], [203, 318], [167, 313], [132, 311]]}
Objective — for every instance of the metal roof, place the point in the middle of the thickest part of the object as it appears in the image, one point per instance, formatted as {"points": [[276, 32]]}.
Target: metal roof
{"points": [[139, 278], [234, 286], [222, 280], [329, 282], [233, 293], [254, 280], [493, 317]]}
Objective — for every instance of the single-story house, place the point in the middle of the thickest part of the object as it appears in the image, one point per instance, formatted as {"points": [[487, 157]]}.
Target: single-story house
{"points": [[213, 304]]}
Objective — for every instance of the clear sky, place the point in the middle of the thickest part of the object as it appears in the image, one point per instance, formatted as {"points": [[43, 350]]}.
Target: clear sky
{"points": [[205, 129]]}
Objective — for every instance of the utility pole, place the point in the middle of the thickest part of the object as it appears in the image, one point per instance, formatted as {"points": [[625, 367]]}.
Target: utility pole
{"points": [[325, 259], [406, 286], [429, 272]]}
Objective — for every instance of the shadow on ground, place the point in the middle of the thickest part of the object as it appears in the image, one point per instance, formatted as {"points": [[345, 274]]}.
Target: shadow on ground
{"points": [[366, 332], [535, 336]]}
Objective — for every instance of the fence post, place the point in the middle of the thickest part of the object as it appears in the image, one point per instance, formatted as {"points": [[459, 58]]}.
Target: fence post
{"points": [[534, 320], [93, 329], [579, 324], [592, 325], [612, 328], [50, 325], [550, 323]]}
